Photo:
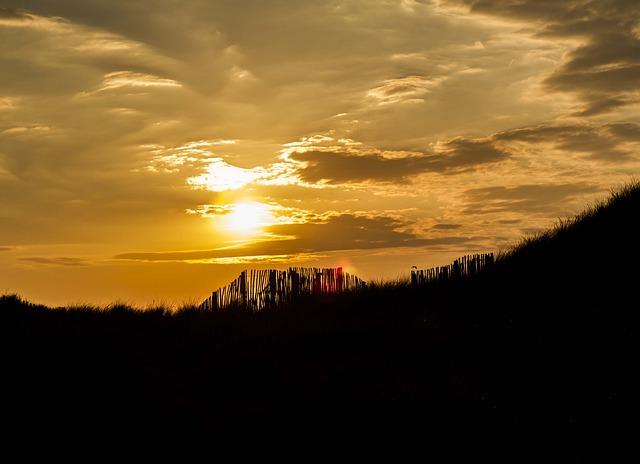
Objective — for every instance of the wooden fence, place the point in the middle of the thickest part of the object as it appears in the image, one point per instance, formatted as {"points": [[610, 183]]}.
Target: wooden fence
{"points": [[256, 290], [461, 267]]}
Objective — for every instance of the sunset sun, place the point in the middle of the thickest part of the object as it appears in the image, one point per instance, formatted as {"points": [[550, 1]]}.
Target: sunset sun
{"points": [[248, 218]]}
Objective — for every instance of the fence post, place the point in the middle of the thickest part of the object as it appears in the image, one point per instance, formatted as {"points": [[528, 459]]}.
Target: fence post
{"points": [[317, 282], [214, 301], [243, 288], [273, 287], [457, 270], [295, 282]]}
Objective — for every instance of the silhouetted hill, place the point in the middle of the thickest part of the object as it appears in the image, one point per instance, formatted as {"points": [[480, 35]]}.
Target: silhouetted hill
{"points": [[543, 340]]}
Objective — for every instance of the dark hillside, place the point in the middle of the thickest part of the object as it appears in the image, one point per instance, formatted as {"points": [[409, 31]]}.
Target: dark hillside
{"points": [[541, 340], [562, 310]]}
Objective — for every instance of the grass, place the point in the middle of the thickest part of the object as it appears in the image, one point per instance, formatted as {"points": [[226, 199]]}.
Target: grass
{"points": [[621, 204]]}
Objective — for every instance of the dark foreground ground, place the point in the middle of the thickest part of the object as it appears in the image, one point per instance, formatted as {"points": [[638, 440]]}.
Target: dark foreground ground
{"points": [[544, 342]]}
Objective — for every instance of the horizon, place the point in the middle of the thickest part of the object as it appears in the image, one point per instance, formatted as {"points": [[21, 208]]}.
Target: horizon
{"points": [[149, 153]]}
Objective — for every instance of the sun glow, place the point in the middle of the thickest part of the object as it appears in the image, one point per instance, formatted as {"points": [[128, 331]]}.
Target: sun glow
{"points": [[248, 218]]}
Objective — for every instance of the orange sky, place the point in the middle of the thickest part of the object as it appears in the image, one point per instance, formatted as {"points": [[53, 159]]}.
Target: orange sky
{"points": [[149, 151]]}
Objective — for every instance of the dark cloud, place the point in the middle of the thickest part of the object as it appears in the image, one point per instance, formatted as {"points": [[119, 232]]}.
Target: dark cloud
{"points": [[345, 166], [565, 17], [463, 152], [603, 105], [605, 70], [596, 84], [15, 14], [346, 231], [342, 167], [5, 248], [527, 9], [546, 198], [342, 232], [58, 261], [625, 131], [599, 141], [446, 226]]}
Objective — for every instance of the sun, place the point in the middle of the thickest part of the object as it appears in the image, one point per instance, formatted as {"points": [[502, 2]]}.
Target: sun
{"points": [[248, 218]]}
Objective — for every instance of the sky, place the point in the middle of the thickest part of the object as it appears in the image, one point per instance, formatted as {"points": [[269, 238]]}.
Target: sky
{"points": [[150, 151]]}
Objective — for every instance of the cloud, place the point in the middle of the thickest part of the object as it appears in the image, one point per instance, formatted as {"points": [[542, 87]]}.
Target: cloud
{"points": [[7, 103], [10, 13], [604, 142], [118, 79], [625, 131], [603, 105], [361, 165], [463, 152], [261, 213], [407, 89], [539, 198], [132, 81], [58, 261], [322, 161], [220, 176], [604, 70], [208, 171], [343, 167], [445, 226], [22, 130], [16, 17], [3, 248], [332, 233]]}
